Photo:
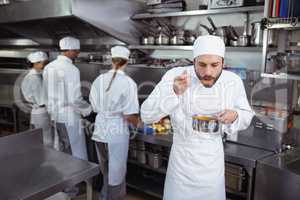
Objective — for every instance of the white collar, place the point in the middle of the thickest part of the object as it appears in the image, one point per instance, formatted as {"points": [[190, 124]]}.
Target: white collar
{"points": [[118, 71], [34, 71], [62, 57]]}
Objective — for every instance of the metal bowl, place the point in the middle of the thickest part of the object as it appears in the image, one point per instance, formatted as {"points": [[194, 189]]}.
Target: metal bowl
{"points": [[206, 124]]}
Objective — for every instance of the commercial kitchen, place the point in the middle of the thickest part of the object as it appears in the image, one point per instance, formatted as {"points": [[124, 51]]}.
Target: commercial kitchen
{"points": [[262, 39]]}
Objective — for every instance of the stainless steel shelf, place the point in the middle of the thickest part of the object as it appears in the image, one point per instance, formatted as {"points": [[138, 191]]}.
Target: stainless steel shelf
{"points": [[281, 76], [161, 170], [283, 26], [189, 48], [200, 12]]}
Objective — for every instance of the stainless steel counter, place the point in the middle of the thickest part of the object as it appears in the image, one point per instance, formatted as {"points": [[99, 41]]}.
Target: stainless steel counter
{"points": [[30, 170], [279, 177], [235, 153]]}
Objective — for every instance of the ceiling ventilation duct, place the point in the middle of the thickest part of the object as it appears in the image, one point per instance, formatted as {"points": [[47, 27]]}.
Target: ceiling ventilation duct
{"points": [[41, 20]]}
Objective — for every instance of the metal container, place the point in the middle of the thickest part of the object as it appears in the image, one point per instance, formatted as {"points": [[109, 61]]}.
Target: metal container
{"points": [[243, 41], [235, 178], [154, 160], [141, 152], [133, 150], [206, 124], [162, 40], [4, 2], [177, 40], [256, 34], [149, 40]]}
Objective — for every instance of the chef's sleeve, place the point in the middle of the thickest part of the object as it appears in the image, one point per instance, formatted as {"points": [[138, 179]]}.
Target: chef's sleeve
{"points": [[94, 96], [162, 101], [131, 102], [242, 107], [75, 97]]}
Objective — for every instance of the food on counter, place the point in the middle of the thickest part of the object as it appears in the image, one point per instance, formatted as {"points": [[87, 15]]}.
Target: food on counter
{"points": [[163, 126]]}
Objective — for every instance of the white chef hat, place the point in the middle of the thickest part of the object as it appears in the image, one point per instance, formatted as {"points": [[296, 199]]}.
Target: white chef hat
{"points": [[69, 43], [209, 44], [37, 56], [120, 52]]}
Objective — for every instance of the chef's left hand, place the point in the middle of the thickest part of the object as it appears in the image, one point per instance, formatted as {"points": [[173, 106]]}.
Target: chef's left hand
{"points": [[227, 116]]}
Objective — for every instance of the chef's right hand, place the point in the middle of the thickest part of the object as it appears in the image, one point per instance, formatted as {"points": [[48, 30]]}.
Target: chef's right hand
{"points": [[181, 83]]}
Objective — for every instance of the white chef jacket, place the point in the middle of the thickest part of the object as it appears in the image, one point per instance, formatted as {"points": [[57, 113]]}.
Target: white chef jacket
{"points": [[62, 83], [65, 102], [33, 92], [121, 99], [32, 88], [196, 163]]}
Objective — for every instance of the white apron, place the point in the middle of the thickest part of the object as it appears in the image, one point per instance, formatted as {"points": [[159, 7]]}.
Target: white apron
{"points": [[76, 136], [39, 118], [117, 162], [113, 130], [196, 163]]}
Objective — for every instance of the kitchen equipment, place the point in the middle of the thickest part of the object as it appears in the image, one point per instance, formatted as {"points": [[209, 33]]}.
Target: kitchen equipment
{"points": [[177, 40], [133, 149], [162, 39], [141, 152], [148, 40], [243, 40], [219, 31], [178, 37], [234, 43], [287, 62], [256, 34], [206, 124], [154, 160], [4, 2], [203, 5], [272, 119], [235, 178], [225, 3]]}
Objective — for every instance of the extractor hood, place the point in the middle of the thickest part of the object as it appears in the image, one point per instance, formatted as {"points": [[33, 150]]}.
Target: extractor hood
{"points": [[46, 21]]}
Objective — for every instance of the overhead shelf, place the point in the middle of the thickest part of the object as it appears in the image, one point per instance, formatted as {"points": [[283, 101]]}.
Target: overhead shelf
{"points": [[189, 48], [200, 12], [281, 76], [283, 26]]}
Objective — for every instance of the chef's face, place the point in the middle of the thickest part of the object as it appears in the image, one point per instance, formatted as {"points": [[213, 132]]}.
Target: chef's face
{"points": [[208, 69], [39, 66]]}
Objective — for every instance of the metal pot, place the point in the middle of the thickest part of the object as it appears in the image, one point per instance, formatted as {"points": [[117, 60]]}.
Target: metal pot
{"points": [[177, 40], [162, 40], [148, 40], [243, 40], [234, 43]]}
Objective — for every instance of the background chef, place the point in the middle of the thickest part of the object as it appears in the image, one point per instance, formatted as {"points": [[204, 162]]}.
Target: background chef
{"points": [[64, 100], [114, 98], [196, 164], [34, 94]]}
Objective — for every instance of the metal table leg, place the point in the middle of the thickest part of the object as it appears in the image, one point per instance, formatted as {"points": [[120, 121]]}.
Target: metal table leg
{"points": [[89, 189]]}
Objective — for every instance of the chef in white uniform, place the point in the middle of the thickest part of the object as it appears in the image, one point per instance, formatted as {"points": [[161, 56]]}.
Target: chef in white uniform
{"points": [[64, 100], [33, 92], [196, 163], [114, 98]]}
